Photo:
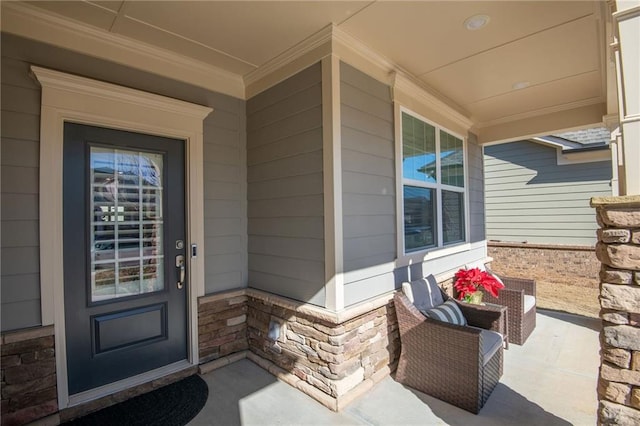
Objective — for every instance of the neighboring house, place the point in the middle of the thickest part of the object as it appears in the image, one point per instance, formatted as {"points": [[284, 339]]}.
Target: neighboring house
{"points": [[537, 194], [538, 190], [188, 183]]}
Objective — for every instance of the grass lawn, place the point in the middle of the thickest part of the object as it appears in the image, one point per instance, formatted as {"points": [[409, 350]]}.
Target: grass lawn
{"points": [[568, 298]]}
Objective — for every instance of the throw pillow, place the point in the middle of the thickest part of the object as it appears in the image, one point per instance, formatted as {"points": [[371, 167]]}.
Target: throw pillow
{"points": [[447, 312], [425, 293]]}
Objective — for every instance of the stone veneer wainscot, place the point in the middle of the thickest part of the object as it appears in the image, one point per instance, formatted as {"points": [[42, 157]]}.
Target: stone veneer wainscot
{"points": [[618, 249], [332, 357], [29, 387]]}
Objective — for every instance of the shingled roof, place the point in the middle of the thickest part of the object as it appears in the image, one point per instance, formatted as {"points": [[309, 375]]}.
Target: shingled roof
{"points": [[595, 138]]}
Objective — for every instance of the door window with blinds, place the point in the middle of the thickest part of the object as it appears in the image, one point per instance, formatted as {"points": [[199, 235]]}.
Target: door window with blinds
{"points": [[127, 223], [433, 182]]}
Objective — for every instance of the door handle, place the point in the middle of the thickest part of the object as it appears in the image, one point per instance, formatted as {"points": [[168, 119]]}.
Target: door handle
{"points": [[181, 270]]}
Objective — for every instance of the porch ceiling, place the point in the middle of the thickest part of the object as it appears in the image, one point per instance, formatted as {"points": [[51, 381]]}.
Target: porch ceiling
{"points": [[554, 49]]}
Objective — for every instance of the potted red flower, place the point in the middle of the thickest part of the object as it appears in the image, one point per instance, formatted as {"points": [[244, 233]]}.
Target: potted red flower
{"points": [[468, 281]]}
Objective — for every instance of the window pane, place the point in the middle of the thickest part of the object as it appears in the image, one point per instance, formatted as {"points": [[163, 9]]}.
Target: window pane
{"points": [[452, 216], [418, 149], [127, 223], [451, 160], [419, 218]]}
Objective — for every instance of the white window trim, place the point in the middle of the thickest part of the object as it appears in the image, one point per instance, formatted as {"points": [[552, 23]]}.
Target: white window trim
{"points": [[405, 258], [69, 98]]}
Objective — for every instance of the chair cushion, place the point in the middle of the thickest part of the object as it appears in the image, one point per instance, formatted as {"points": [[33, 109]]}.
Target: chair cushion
{"points": [[406, 289], [424, 293], [491, 342], [446, 312], [529, 302]]}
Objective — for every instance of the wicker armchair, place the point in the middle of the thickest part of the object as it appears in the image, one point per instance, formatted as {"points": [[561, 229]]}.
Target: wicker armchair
{"points": [[446, 361], [521, 315]]}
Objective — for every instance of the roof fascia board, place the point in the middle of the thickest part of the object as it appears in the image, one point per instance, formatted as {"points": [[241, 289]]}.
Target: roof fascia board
{"points": [[30, 22], [547, 142], [579, 157]]}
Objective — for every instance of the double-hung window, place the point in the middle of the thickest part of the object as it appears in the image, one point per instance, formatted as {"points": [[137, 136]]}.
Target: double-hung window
{"points": [[433, 185]]}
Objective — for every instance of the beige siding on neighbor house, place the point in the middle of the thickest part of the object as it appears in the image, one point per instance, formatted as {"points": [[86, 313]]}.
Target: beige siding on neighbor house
{"points": [[531, 198], [285, 188], [224, 161]]}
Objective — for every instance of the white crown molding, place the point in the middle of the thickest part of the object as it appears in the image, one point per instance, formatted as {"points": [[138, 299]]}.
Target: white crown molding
{"points": [[538, 112], [410, 87], [360, 55], [290, 55], [611, 121], [33, 23], [330, 40], [333, 40], [108, 91]]}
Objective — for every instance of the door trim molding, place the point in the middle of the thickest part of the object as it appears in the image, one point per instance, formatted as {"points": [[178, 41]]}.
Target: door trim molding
{"points": [[71, 98]]}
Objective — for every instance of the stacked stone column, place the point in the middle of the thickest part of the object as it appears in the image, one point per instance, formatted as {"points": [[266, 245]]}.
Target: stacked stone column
{"points": [[618, 249]]}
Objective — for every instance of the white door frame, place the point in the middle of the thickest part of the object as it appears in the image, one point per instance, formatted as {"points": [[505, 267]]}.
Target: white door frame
{"points": [[76, 99]]}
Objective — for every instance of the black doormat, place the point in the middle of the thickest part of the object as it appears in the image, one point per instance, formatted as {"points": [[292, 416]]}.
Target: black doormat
{"points": [[172, 405]]}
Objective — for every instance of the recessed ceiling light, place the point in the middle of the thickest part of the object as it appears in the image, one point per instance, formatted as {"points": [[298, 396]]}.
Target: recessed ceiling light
{"points": [[520, 85], [476, 22]]}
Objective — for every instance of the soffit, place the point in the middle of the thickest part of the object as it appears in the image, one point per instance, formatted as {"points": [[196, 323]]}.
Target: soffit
{"points": [[557, 47]]}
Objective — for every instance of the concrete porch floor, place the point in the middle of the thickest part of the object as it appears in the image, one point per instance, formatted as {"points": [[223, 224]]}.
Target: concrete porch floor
{"points": [[551, 380]]}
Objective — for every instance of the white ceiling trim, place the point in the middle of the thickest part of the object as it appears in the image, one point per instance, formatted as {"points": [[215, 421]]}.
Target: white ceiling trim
{"points": [[304, 54], [542, 111], [288, 56], [540, 125], [358, 54], [411, 88], [332, 40], [30, 22], [329, 40]]}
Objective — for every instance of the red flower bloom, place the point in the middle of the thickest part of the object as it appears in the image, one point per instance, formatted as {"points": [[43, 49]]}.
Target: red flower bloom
{"points": [[468, 280]]}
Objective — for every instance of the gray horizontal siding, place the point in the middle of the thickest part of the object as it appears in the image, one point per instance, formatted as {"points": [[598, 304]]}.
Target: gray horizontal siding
{"points": [[369, 192], [368, 181], [224, 157], [285, 188], [225, 191], [529, 197], [19, 156], [373, 285], [475, 169]]}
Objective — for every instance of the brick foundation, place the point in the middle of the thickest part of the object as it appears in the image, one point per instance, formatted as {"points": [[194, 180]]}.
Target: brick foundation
{"points": [[618, 249], [28, 364], [574, 265]]}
